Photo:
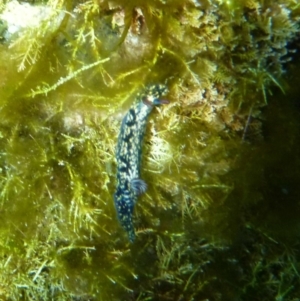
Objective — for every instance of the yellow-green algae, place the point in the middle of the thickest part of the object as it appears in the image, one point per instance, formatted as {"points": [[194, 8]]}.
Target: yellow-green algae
{"points": [[204, 227]]}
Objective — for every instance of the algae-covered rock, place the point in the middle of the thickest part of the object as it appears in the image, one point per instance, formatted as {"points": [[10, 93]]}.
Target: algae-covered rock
{"points": [[69, 72]]}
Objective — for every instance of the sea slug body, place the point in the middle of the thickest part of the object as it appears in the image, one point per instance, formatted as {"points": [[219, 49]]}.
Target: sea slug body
{"points": [[128, 155]]}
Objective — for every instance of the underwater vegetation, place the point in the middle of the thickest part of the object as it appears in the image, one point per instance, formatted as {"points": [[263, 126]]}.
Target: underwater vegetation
{"points": [[219, 220]]}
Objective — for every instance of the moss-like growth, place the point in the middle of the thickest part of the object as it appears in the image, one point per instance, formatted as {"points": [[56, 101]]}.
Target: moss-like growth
{"points": [[69, 71]]}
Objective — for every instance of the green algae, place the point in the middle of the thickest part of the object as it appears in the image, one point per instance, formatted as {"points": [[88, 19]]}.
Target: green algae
{"points": [[213, 223]]}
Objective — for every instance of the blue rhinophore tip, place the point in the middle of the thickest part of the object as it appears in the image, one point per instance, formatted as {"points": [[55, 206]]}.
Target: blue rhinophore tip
{"points": [[158, 102]]}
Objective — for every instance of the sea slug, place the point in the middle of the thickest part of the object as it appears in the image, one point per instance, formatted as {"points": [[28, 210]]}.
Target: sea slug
{"points": [[128, 155]]}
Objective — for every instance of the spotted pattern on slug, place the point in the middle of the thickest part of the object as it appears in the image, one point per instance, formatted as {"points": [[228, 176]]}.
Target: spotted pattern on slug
{"points": [[128, 155]]}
